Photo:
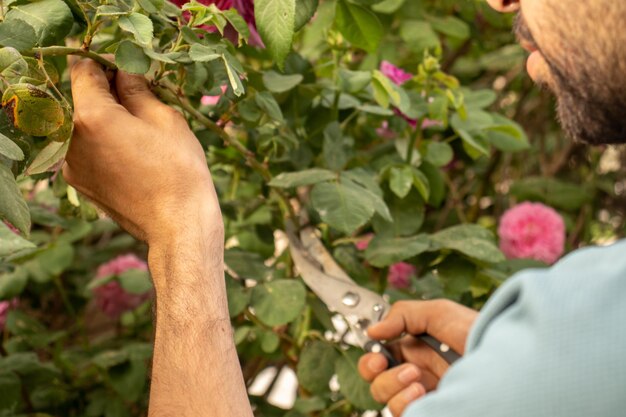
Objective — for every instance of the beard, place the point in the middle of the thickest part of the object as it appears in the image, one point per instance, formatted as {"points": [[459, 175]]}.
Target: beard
{"points": [[591, 105]]}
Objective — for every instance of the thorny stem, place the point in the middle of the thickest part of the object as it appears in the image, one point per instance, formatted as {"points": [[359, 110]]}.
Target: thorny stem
{"points": [[66, 50]]}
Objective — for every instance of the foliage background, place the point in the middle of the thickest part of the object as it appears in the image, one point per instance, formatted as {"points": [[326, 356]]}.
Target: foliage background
{"points": [[291, 126]]}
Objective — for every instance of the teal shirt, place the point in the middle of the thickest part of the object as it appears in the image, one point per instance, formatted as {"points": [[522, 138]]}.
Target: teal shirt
{"points": [[549, 343]]}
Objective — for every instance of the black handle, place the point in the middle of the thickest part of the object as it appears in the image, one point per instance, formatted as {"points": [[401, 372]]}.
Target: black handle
{"points": [[442, 349]]}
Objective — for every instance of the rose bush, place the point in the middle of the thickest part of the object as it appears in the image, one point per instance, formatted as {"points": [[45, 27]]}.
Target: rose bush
{"points": [[396, 125]]}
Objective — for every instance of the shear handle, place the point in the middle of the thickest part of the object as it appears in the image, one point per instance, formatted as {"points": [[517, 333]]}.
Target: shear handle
{"points": [[442, 350]]}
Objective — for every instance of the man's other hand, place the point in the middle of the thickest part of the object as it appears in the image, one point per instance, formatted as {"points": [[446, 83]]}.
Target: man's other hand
{"points": [[135, 156], [398, 387]]}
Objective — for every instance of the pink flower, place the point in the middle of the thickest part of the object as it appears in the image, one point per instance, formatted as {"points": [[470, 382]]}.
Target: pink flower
{"points": [[120, 265], [213, 100], [395, 74], [399, 275], [245, 9], [5, 307], [533, 231], [364, 241], [111, 298]]}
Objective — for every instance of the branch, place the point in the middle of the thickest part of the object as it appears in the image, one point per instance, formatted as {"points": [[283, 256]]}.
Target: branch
{"points": [[66, 50]]}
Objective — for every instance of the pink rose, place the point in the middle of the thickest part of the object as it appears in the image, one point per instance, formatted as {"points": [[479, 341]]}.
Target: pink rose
{"points": [[364, 241], [399, 275], [5, 307], [111, 298], [395, 74], [213, 100], [532, 231]]}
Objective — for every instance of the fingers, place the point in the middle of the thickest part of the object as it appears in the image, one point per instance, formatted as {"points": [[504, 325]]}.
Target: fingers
{"points": [[90, 87], [389, 383], [371, 365], [447, 321], [401, 401], [134, 93]]}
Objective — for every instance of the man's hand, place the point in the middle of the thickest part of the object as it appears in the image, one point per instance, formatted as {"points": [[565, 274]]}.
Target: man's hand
{"points": [[135, 156], [138, 160], [398, 387]]}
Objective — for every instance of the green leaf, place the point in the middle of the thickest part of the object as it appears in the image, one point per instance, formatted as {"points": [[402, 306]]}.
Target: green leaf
{"points": [[129, 379], [13, 208], [269, 341], [553, 192], [135, 281], [139, 25], [268, 104], [9, 149], [31, 110], [471, 240], [386, 92], [384, 251], [151, 6], [12, 65], [17, 34], [388, 6], [276, 22], [439, 153], [110, 358], [279, 83], [506, 135], [418, 35], [246, 265], [342, 207], [278, 302], [456, 274], [10, 391], [358, 25], [362, 182], [203, 53], [316, 366], [306, 177], [421, 183], [451, 26], [335, 155], [233, 75], [12, 284], [401, 180], [48, 157], [305, 10], [11, 243], [238, 297], [51, 20], [130, 57], [352, 385], [238, 22]]}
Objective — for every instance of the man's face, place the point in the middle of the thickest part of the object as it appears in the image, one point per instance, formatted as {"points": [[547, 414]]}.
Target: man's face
{"points": [[578, 50]]}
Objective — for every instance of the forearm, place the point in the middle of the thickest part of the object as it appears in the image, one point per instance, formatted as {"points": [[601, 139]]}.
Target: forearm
{"points": [[196, 371]]}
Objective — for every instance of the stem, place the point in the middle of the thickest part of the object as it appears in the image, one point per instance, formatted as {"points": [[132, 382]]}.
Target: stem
{"points": [[66, 50], [416, 137]]}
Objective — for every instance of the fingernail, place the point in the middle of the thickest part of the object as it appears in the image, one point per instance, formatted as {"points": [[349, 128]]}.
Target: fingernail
{"points": [[408, 375], [413, 392], [376, 364]]}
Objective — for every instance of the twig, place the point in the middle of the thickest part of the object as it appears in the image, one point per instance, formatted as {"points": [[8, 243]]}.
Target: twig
{"points": [[66, 50]]}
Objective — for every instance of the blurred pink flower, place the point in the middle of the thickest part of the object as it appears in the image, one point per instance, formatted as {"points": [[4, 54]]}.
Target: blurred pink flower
{"points": [[5, 307], [532, 231], [111, 298], [395, 74], [399, 274], [245, 9], [213, 100], [364, 241]]}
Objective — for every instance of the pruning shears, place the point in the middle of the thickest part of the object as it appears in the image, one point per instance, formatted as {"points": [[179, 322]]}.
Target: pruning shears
{"points": [[359, 306]]}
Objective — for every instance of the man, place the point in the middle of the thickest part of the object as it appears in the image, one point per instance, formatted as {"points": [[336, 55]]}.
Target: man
{"points": [[550, 343]]}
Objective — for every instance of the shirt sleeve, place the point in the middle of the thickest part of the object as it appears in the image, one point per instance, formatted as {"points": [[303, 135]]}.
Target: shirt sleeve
{"points": [[550, 343]]}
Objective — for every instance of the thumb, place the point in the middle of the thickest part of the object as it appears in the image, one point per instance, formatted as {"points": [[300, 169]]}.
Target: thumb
{"points": [[444, 320], [134, 94]]}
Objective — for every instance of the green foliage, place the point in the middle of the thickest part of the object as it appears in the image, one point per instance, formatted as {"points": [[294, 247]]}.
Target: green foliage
{"points": [[313, 124]]}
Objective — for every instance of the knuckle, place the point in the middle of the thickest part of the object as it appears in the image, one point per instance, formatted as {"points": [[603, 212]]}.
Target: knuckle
{"points": [[87, 117]]}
